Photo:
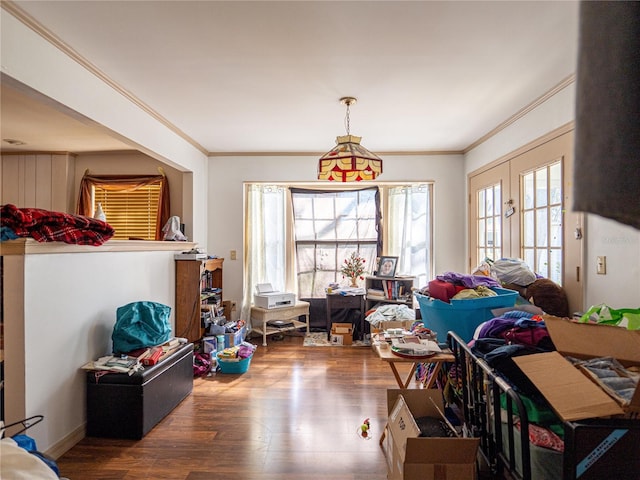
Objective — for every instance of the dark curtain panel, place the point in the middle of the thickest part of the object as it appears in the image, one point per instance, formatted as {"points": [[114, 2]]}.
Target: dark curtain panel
{"points": [[607, 149]]}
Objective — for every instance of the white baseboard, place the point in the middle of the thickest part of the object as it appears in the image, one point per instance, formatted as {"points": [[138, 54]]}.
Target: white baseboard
{"points": [[65, 444]]}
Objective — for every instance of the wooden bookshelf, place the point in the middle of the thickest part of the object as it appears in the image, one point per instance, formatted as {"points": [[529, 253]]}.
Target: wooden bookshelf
{"points": [[193, 280], [392, 290]]}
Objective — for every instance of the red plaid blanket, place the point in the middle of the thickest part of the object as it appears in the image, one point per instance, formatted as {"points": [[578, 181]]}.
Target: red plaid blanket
{"points": [[48, 226]]}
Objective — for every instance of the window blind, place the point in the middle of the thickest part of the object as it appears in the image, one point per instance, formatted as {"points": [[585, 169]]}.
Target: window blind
{"points": [[132, 213]]}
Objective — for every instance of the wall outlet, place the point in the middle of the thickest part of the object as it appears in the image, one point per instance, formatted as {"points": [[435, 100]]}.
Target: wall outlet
{"points": [[601, 265], [233, 255]]}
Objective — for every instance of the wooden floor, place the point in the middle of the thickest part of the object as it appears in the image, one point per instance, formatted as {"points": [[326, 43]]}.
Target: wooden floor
{"points": [[294, 415]]}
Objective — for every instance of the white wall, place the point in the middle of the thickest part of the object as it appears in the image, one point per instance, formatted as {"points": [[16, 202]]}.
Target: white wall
{"points": [[226, 202], [620, 287], [69, 314], [552, 114], [32, 61]]}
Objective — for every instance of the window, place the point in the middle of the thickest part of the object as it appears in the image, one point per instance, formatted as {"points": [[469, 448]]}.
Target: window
{"points": [[131, 213], [299, 244], [136, 206], [328, 227]]}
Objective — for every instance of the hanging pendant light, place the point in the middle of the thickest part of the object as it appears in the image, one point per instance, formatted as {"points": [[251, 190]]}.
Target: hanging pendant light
{"points": [[349, 161]]}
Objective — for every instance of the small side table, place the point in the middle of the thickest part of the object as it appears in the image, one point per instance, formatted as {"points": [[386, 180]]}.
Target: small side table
{"points": [[344, 302], [260, 317]]}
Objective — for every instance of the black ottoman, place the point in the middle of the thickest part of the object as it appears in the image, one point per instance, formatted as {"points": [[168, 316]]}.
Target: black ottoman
{"points": [[123, 406]]}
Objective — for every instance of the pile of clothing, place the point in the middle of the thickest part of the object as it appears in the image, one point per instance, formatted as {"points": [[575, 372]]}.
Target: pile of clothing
{"points": [[515, 333], [47, 226], [516, 275]]}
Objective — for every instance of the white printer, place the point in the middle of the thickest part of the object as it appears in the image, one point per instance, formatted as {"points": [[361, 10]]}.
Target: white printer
{"points": [[266, 297]]}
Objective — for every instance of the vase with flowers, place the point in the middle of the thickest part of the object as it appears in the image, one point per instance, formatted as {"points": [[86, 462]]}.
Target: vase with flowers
{"points": [[353, 268]]}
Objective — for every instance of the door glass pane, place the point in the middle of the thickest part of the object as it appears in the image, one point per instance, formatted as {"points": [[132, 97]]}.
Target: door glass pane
{"points": [[528, 228], [489, 222], [541, 187], [555, 234], [555, 184], [541, 228], [497, 201], [555, 265], [527, 191], [528, 256], [542, 267]]}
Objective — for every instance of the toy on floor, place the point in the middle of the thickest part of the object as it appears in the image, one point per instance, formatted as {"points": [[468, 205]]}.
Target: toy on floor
{"points": [[364, 428]]}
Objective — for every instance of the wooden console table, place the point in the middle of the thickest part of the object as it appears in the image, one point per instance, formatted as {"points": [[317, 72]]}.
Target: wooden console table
{"points": [[260, 317]]}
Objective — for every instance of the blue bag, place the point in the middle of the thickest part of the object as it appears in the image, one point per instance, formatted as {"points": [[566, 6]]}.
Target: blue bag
{"points": [[140, 325]]}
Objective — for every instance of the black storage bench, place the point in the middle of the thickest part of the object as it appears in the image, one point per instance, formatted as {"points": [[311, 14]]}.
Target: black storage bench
{"points": [[123, 406]]}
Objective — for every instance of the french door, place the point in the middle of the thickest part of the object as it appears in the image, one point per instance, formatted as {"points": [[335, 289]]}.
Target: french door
{"points": [[521, 208]]}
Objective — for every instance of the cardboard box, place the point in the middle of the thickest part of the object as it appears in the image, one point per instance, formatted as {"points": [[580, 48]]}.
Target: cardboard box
{"points": [[572, 394], [230, 310], [410, 457], [342, 333], [599, 449]]}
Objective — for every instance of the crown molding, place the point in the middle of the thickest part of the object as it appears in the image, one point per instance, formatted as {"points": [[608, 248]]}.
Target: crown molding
{"points": [[49, 36], [523, 111], [319, 154]]}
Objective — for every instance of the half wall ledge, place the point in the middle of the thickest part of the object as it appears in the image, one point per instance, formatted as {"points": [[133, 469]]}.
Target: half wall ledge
{"points": [[24, 246]]}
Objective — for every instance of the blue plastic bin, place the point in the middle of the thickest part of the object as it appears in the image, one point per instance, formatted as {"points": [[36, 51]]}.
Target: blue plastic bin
{"points": [[233, 365], [462, 316]]}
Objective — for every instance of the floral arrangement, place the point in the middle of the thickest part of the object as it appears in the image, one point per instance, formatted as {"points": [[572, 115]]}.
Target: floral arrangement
{"points": [[353, 267]]}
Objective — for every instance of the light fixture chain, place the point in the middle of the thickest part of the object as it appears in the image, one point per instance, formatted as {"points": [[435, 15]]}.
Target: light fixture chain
{"points": [[347, 119]]}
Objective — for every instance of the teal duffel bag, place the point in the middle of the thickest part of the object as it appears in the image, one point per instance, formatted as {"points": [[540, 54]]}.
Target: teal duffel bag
{"points": [[140, 325]]}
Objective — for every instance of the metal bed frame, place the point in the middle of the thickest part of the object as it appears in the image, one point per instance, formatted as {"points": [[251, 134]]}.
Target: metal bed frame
{"points": [[480, 402], [593, 448]]}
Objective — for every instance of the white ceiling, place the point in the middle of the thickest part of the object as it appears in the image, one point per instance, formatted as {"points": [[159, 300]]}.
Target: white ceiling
{"points": [[266, 76]]}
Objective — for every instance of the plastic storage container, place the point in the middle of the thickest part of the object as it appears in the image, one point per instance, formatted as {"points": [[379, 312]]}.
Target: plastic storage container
{"points": [[462, 316], [233, 365]]}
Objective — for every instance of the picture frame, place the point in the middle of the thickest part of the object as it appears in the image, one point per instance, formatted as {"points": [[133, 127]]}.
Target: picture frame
{"points": [[387, 267]]}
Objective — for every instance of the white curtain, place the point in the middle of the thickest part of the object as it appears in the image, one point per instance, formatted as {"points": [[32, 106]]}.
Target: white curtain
{"points": [[264, 241], [409, 230]]}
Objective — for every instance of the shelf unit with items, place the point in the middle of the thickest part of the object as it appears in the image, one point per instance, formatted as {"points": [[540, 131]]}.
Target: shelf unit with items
{"points": [[385, 290], [198, 287]]}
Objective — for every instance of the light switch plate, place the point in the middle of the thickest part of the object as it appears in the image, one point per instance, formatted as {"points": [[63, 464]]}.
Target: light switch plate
{"points": [[601, 265]]}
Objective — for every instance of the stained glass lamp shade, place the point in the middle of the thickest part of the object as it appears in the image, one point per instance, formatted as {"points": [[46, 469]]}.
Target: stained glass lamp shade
{"points": [[349, 161]]}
